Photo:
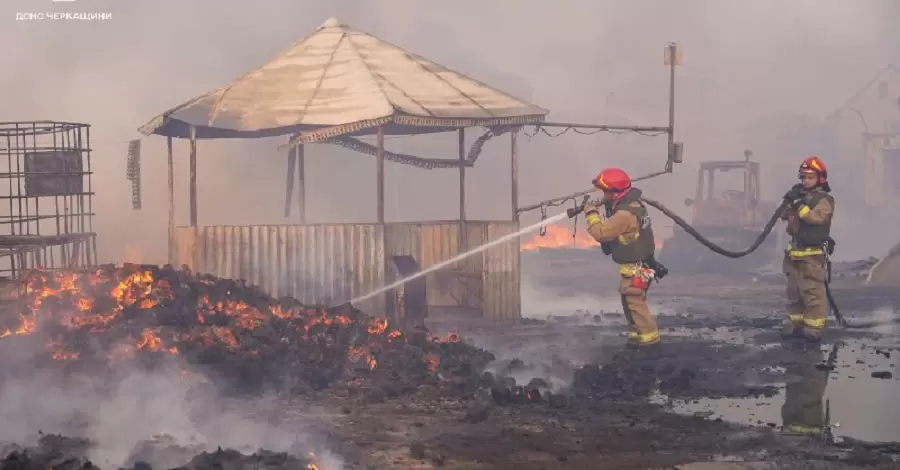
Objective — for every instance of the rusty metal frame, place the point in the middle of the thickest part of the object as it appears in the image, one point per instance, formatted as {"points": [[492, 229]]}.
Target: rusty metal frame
{"points": [[45, 231]]}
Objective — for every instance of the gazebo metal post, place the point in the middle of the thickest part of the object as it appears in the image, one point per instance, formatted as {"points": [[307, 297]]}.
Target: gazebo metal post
{"points": [[380, 172], [289, 188], [301, 180], [193, 195], [514, 172], [171, 169], [463, 235]]}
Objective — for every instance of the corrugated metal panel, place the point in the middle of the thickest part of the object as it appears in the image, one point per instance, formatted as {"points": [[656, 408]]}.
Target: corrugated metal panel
{"points": [[502, 287], [334, 262], [472, 277], [440, 242], [458, 285], [403, 239], [317, 264], [184, 246]]}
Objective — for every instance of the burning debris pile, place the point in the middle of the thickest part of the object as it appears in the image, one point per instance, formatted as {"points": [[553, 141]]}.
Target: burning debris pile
{"points": [[233, 333]]}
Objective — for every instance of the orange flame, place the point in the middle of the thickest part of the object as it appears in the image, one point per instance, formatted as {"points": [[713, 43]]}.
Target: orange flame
{"points": [[74, 308], [561, 236], [451, 337], [434, 361]]}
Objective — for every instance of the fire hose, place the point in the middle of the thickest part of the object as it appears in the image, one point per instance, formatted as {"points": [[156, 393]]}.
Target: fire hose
{"points": [[828, 248], [712, 246]]}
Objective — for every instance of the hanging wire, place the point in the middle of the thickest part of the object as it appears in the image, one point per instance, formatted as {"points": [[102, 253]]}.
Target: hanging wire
{"points": [[542, 130], [543, 218], [574, 223]]}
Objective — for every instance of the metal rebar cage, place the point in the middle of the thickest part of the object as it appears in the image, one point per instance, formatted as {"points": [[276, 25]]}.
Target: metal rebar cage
{"points": [[46, 196]]}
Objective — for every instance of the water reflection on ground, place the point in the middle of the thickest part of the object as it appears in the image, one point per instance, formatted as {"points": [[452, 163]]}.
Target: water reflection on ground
{"points": [[843, 394]]}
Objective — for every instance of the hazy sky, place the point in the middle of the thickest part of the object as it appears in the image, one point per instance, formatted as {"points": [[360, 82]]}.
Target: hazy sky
{"points": [[748, 64]]}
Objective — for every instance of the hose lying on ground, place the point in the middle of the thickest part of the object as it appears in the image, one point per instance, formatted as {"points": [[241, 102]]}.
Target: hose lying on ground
{"points": [[712, 246]]}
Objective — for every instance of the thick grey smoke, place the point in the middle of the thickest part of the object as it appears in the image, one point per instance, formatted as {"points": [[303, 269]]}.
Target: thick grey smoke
{"points": [[171, 405], [753, 70]]}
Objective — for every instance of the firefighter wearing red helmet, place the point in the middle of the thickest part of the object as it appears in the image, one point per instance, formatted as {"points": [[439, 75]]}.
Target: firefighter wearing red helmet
{"points": [[625, 233], [805, 261]]}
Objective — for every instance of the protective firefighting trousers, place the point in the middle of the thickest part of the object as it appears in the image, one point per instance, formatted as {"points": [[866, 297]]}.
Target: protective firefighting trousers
{"points": [[803, 411], [633, 288], [807, 302]]}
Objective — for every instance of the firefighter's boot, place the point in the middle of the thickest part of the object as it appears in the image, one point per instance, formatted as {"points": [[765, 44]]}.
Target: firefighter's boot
{"points": [[812, 335], [631, 341], [649, 355]]}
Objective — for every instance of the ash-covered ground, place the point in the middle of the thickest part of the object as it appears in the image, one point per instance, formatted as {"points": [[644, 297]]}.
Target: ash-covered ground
{"points": [[333, 389]]}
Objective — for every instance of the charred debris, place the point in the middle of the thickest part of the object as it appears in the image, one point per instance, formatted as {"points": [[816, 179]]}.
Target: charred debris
{"points": [[115, 318]]}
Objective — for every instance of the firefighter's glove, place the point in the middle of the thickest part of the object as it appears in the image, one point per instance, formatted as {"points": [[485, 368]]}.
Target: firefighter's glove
{"points": [[591, 214], [574, 211], [794, 194], [606, 247]]}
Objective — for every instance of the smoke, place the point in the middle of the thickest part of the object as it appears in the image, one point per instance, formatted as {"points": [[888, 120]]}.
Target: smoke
{"points": [[172, 405], [750, 69], [887, 317], [539, 302]]}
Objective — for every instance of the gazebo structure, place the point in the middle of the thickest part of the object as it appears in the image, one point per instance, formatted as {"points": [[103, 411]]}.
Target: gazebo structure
{"points": [[332, 87]]}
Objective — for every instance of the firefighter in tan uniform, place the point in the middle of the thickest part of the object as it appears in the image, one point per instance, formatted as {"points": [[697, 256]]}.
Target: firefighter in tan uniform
{"points": [[625, 234], [809, 225]]}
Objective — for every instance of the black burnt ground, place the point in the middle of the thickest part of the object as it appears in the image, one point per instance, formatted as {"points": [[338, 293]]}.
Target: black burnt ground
{"points": [[233, 333]]}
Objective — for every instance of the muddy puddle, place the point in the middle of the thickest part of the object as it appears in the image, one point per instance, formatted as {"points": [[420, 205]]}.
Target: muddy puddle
{"points": [[857, 386]]}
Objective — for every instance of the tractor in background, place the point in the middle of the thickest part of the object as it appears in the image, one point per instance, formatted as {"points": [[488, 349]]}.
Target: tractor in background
{"points": [[728, 210]]}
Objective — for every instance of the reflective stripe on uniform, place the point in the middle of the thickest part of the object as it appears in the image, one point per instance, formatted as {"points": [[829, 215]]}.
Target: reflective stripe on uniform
{"points": [[592, 218], [796, 318], [814, 322], [806, 252], [643, 338], [647, 338], [626, 239], [803, 211], [803, 252]]}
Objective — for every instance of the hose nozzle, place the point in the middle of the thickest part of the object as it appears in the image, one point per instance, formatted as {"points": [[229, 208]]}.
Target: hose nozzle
{"points": [[574, 211]]}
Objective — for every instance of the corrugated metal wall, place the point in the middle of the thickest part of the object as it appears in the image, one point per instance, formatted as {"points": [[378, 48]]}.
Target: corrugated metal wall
{"points": [[317, 264], [459, 285], [325, 263], [502, 281]]}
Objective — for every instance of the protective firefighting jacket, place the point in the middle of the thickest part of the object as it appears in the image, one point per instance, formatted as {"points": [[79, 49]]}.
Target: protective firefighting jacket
{"points": [[635, 246], [806, 234]]}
